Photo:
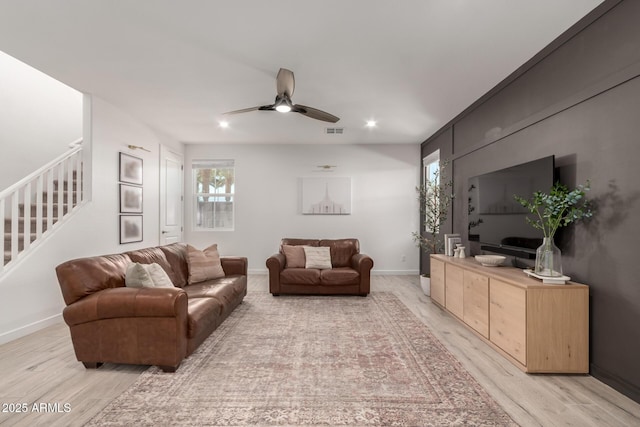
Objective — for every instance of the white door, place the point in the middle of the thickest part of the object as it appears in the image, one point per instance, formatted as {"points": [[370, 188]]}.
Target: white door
{"points": [[171, 196]]}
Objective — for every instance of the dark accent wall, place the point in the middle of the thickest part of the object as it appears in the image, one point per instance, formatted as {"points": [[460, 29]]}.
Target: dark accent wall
{"points": [[579, 100]]}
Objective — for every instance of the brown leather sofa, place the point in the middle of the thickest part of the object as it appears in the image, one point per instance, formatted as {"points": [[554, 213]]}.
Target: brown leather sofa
{"points": [[148, 326], [350, 272]]}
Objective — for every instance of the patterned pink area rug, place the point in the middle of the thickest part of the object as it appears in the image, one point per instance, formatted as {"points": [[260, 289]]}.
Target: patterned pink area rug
{"points": [[297, 361]]}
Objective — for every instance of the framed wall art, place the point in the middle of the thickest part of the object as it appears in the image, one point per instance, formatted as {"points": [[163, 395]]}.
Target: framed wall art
{"points": [[326, 196], [130, 169], [130, 228], [130, 199]]}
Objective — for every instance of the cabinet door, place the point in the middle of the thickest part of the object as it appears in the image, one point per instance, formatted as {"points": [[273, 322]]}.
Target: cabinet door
{"points": [[476, 302], [558, 330], [454, 290], [507, 318], [437, 281]]}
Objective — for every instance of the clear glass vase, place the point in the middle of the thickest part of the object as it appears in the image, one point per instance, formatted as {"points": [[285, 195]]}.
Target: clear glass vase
{"points": [[548, 259]]}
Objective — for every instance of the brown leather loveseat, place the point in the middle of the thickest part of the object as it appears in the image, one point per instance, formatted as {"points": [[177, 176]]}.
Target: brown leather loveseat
{"points": [[348, 272], [110, 322]]}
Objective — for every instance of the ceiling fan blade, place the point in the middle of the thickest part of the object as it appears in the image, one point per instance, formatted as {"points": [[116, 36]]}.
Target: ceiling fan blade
{"points": [[314, 113], [246, 110], [285, 83]]}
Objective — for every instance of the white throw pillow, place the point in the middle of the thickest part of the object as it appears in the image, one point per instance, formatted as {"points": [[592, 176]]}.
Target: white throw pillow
{"points": [[159, 277], [137, 276], [146, 276], [317, 257]]}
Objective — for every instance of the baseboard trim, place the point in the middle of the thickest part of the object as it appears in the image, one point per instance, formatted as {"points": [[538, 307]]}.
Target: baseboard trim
{"points": [[395, 272], [614, 381], [374, 272], [22, 331]]}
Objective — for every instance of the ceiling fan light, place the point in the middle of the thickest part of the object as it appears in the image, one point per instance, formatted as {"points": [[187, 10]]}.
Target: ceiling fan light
{"points": [[283, 108], [283, 104]]}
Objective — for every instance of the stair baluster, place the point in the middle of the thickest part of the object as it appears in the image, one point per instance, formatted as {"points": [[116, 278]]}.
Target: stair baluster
{"points": [[32, 207]]}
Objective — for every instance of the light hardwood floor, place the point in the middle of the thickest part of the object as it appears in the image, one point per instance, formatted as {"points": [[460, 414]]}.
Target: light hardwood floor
{"points": [[42, 368]]}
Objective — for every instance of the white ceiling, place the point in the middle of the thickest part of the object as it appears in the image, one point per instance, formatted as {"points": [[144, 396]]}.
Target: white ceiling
{"points": [[412, 65]]}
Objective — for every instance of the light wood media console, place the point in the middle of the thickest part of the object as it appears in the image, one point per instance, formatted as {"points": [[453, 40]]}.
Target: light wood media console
{"points": [[539, 328]]}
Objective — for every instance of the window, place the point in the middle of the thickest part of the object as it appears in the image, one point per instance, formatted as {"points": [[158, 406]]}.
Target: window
{"points": [[214, 184], [431, 166], [430, 183]]}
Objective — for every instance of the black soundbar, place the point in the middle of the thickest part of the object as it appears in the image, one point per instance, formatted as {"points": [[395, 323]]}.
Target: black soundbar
{"points": [[520, 253]]}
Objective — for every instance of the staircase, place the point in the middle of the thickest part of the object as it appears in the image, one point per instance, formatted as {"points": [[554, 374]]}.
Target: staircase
{"points": [[32, 208]]}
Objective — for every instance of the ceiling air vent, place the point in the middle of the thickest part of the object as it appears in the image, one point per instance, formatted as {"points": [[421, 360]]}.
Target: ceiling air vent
{"points": [[334, 131]]}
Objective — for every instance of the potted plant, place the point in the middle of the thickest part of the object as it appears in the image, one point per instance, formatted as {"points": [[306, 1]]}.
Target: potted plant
{"points": [[434, 197], [559, 208]]}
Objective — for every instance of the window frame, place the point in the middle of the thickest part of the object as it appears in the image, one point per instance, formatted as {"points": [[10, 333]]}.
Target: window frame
{"points": [[212, 164]]}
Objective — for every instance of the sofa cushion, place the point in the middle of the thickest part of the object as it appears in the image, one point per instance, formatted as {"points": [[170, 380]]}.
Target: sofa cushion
{"points": [[176, 254], [202, 315], [226, 289], [301, 276], [339, 276], [342, 250], [204, 265], [317, 257], [294, 256], [298, 242], [81, 277]]}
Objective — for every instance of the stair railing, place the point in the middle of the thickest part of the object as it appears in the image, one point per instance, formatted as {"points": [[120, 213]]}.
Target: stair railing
{"points": [[30, 208]]}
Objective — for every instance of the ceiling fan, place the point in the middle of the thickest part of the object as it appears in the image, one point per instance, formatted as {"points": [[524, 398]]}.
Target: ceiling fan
{"points": [[285, 84]]}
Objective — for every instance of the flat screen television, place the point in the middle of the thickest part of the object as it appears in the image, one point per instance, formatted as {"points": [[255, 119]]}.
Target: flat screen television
{"points": [[496, 220]]}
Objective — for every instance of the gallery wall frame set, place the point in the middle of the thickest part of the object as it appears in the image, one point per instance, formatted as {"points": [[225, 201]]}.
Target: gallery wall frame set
{"points": [[130, 168], [130, 199], [130, 173], [130, 228]]}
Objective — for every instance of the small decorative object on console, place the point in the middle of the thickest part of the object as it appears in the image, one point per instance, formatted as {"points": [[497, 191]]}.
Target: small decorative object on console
{"points": [[490, 260], [453, 242], [461, 252], [448, 247], [548, 280]]}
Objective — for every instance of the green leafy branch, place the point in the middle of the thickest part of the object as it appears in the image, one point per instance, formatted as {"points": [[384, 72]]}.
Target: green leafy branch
{"points": [[435, 198], [559, 208]]}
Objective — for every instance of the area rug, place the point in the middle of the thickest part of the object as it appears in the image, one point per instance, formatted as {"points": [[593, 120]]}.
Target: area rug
{"points": [[298, 361]]}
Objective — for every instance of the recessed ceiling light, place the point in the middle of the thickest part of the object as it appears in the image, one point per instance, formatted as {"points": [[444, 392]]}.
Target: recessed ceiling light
{"points": [[371, 123], [224, 124]]}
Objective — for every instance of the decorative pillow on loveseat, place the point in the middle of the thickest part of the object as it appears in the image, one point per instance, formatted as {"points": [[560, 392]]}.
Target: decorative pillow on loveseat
{"points": [[294, 256], [204, 265], [317, 257]]}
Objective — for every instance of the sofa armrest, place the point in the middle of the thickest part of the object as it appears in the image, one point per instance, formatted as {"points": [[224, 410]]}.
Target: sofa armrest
{"points": [[234, 265], [275, 264], [127, 302], [363, 264]]}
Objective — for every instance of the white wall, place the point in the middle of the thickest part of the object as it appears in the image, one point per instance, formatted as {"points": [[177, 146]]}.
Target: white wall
{"points": [[267, 209], [39, 117], [30, 296], [384, 205]]}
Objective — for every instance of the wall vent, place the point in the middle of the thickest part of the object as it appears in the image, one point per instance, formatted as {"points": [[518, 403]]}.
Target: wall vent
{"points": [[334, 131]]}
